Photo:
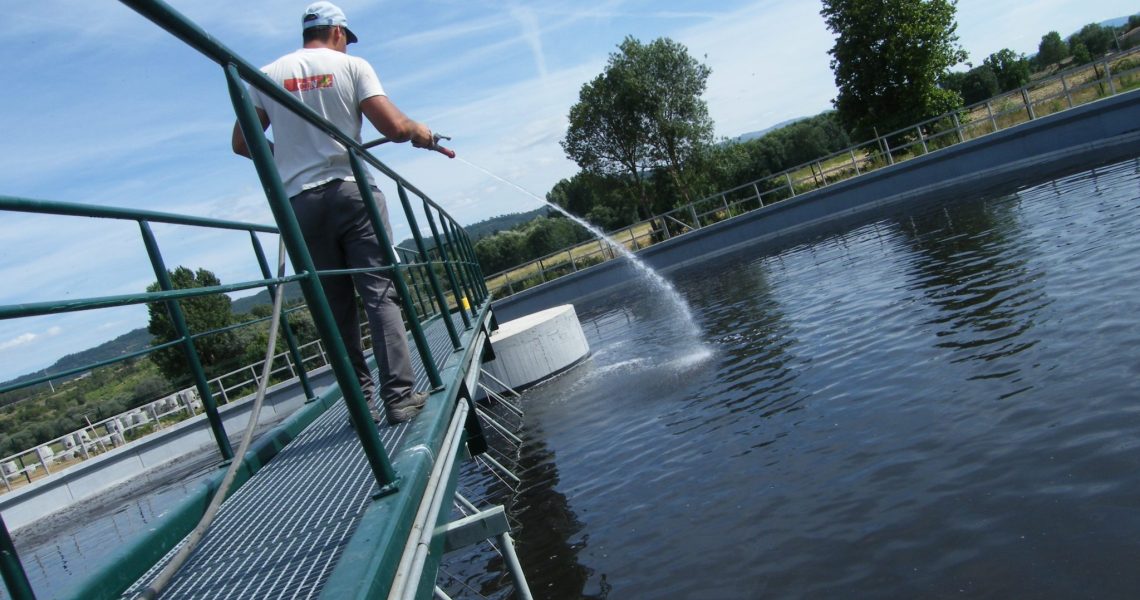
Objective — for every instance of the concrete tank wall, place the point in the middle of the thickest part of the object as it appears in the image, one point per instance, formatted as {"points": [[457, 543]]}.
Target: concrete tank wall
{"points": [[139, 458]]}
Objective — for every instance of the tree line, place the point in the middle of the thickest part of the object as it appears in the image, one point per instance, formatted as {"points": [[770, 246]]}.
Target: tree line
{"points": [[641, 133], [1006, 70]]}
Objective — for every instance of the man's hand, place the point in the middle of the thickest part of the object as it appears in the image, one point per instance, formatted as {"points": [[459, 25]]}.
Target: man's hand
{"points": [[237, 140], [421, 136]]}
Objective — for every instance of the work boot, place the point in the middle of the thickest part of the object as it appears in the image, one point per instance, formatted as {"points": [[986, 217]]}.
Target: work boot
{"points": [[405, 410]]}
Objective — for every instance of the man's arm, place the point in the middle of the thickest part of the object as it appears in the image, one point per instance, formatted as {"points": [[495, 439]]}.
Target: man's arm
{"points": [[394, 124], [238, 140]]}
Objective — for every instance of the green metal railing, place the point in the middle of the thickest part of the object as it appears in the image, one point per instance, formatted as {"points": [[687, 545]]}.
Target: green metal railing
{"points": [[424, 278], [238, 72]]}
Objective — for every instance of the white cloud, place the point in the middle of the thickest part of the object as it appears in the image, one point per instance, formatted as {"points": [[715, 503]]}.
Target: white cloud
{"points": [[17, 341], [27, 338], [532, 33]]}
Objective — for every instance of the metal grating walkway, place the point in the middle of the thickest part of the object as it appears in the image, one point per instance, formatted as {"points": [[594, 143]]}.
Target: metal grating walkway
{"points": [[281, 534]]}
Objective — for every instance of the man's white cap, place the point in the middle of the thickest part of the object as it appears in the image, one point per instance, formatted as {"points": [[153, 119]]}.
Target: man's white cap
{"points": [[326, 14]]}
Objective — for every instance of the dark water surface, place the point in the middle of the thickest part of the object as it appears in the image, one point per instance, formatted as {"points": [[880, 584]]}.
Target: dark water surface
{"points": [[942, 403], [70, 545]]}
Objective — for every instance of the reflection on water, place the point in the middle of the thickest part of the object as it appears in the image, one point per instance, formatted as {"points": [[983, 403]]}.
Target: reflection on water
{"points": [[938, 403], [70, 545]]}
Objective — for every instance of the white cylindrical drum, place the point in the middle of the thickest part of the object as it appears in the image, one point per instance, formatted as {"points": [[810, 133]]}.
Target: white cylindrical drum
{"points": [[540, 345]]}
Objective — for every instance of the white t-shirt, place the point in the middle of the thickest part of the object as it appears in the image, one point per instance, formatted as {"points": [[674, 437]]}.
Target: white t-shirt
{"points": [[331, 83]]}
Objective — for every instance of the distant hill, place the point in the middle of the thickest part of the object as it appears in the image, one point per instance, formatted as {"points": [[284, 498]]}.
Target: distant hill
{"points": [[755, 135], [244, 305], [488, 227], [132, 341], [1117, 22]]}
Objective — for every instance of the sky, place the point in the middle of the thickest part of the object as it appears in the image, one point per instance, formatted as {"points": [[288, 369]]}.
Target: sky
{"points": [[102, 107]]}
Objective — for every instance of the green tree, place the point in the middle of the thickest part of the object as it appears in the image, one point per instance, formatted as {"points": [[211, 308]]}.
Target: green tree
{"points": [[679, 122], [597, 199], [1096, 38], [500, 251], [643, 112], [577, 194], [1010, 68], [980, 84], [888, 58], [203, 313], [1052, 49], [606, 134], [1081, 54]]}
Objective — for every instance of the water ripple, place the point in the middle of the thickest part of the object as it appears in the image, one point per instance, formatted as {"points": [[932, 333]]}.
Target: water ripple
{"points": [[939, 403]]}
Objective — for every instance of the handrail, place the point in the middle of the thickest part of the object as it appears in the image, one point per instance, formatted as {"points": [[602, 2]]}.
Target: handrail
{"points": [[238, 70], [72, 209], [783, 181], [240, 73], [452, 250]]}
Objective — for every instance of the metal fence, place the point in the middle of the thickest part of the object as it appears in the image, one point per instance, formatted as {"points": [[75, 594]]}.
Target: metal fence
{"points": [[1066, 89]]}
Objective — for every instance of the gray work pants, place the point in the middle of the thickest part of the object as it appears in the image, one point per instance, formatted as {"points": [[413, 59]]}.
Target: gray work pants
{"points": [[339, 235]]}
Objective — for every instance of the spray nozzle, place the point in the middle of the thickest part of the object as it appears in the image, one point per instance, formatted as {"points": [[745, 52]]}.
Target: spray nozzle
{"points": [[436, 137]]}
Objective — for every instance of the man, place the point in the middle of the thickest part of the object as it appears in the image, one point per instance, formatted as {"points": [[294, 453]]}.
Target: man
{"points": [[324, 194]]}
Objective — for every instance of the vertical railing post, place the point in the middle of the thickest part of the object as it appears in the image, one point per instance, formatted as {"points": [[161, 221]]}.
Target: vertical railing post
{"points": [[958, 127], [1028, 103], [759, 196], [15, 578], [433, 280], [472, 258], [415, 275], [1068, 93], [43, 461], [178, 319], [1108, 75], [854, 162], [290, 337], [887, 146], [461, 294], [418, 334], [468, 266], [990, 112], [314, 294], [570, 256], [922, 138], [467, 262], [694, 217], [464, 243], [791, 188]]}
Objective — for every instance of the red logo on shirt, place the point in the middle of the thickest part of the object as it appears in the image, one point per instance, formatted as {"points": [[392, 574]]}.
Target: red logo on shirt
{"points": [[305, 84]]}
